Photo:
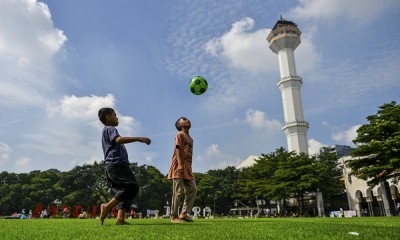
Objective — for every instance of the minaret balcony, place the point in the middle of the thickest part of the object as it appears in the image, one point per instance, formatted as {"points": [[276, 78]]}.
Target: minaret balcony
{"points": [[295, 123], [290, 78]]}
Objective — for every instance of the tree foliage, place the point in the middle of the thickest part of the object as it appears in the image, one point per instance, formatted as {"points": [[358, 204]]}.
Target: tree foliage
{"points": [[84, 186], [154, 189], [26, 190], [378, 146], [328, 174], [281, 174], [275, 176]]}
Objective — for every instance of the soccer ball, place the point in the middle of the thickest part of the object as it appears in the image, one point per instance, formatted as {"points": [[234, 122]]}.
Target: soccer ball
{"points": [[198, 85]]}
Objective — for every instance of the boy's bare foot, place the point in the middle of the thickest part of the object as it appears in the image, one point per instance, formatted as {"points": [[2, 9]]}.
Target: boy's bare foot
{"points": [[175, 220], [122, 222], [185, 218], [103, 213]]}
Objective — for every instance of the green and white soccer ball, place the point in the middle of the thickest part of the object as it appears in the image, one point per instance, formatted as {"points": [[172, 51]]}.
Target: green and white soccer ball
{"points": [[198, 85]]}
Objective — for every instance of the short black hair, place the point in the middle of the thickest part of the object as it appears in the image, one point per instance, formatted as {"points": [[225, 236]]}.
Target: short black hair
{"points": [[177, 123], [103, 113]]}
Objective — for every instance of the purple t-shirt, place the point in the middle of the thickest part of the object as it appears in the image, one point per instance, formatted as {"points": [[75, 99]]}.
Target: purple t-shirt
{"points": [[114, 153]]}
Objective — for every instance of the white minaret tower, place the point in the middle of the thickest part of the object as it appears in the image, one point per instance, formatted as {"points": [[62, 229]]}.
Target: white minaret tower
{"points": [[283, 40]]}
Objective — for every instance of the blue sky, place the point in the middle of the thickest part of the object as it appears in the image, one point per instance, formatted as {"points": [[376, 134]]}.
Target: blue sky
{"points": [[60, 61]]}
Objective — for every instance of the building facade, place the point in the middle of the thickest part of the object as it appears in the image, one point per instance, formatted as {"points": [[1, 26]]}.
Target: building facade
{"points": [[367, 200], [361, 198]]}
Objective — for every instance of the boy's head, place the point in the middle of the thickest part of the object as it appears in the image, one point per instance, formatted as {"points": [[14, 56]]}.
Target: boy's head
{"points": [[182, 121], [103, 113]]}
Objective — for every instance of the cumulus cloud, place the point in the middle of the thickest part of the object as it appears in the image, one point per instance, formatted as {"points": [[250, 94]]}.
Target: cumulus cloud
{"points": [[23, 164], [359, 11], [244, 49], [81, 107], [346, 136], [71, 129], [217, 159], [85, 109], [27, 32], [4, 153], [314, 146], [28, 43], [249, 50], [257, 119]]}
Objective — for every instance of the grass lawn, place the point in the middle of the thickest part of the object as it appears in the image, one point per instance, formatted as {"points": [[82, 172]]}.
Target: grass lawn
{"points": [[221, 228]]}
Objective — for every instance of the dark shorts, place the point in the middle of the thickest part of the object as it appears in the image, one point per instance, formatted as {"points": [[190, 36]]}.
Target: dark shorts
{"points": [[123, 181]]}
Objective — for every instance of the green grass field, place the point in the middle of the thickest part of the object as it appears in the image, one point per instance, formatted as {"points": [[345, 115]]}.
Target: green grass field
{"points": [[221, 228]]}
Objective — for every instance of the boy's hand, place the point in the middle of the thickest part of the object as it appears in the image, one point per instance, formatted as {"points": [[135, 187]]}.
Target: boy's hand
{"points": [[146, 140]]}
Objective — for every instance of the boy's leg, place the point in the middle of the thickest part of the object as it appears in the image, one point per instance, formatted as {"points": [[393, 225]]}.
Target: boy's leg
{"points": [[176, 195], [106, 207], [123, 208], [124, 182], [190, 196], [121, 217]]}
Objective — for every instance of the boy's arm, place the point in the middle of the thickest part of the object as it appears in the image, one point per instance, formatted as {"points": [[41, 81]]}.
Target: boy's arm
{"points": [[179, 159], [122, 140]]}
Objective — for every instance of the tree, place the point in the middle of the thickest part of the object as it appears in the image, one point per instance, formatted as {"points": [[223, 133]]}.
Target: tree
{"points": [[205, 186], [215, 189], [282, 174], [79, 186], [18, 191], [223, 187], [328, 173], [378, 146], [330, 182], [153, 187], [259, 181]]}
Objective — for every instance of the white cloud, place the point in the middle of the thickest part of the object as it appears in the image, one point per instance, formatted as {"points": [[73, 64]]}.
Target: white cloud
{"points": [[23, 164], [148, 160], [27, 32], [359, 11], [4, 153], [72, 131], [243, 49], [85, 109], [28, 43], [81, 107], [212, 150], [216, 159], [314, 146], [257, 119], [346, 136], [249, 50]]}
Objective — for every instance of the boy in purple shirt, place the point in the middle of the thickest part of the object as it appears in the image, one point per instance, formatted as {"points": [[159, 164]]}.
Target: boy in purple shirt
{"points": [[116, 166]]}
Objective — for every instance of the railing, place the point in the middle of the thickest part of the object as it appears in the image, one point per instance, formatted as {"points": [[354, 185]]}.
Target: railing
{"points": [[291, 77], [296, 122]]}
